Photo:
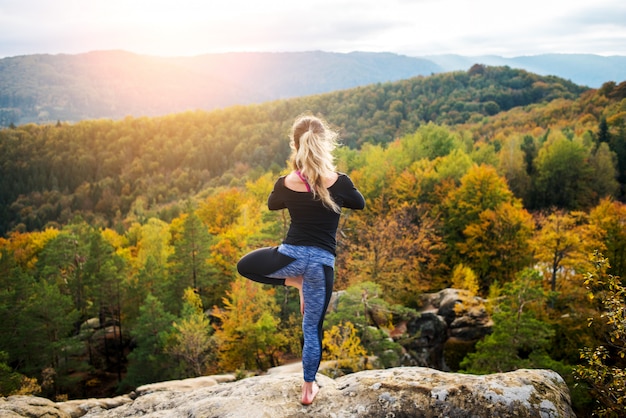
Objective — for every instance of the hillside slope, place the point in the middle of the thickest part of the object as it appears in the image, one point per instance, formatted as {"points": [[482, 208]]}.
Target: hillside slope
{"points": [[583, 69], [115, 84], [49, 173]]}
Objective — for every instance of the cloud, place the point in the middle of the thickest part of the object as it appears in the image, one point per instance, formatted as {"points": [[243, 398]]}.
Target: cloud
{"points": [[189, 27]]}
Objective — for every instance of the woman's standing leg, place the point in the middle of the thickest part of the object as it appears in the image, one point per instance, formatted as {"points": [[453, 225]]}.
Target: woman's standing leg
{"points": [[317, 289]]}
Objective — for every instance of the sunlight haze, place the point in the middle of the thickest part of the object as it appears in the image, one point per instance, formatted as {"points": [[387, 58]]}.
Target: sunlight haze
{"points": [[423, 27]]}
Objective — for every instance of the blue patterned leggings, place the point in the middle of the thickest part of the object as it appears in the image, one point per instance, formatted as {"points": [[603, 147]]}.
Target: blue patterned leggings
{"points": [[272, 265]]}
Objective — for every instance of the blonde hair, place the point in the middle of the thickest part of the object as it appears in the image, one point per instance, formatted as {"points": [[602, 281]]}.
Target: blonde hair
{"points": [[312, 144]]}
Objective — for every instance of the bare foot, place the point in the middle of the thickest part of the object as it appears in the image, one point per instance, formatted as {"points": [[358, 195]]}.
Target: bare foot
{"points": [[297, 283], [309, 390]]}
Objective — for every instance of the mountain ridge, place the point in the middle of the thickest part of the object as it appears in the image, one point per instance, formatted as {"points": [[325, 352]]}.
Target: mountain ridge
{"points": [[114, 84], [583, 69]]}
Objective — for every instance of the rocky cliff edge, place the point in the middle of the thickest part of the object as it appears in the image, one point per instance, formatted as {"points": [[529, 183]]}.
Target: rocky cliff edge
{"points": [[397, 392]]}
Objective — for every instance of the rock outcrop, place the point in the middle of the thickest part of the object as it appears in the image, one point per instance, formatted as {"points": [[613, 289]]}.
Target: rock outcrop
{"points": [[398, 392], [449, 324]]}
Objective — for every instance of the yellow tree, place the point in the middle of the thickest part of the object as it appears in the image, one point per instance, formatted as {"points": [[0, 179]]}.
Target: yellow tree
{"points": [[25, 247], [238, 218], [343, 346], [247, 333], [464, 278], [221, 210], [563, 244], [604, 366], [497, 246], [481, 189], [610, 217]]}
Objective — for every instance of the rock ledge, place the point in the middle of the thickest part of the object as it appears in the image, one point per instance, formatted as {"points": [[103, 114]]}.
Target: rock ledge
{"points": [[398, 392]]}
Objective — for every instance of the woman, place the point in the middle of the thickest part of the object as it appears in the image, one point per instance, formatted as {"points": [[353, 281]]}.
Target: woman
{"points": [[314, 194]]}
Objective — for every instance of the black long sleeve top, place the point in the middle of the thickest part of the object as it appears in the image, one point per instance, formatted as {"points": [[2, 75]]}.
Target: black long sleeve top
{"points": [[313, 224]]}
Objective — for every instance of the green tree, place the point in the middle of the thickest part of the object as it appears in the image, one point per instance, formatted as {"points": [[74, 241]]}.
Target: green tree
{"points": [[188, 264], [148, 362], [564, 176], [430, 141], [514, 166], [191, 342], [14, 383], [62, 263], [363, 305], [106, 271], [603, 164], [520, 338], [48, 321], [150, 245]]}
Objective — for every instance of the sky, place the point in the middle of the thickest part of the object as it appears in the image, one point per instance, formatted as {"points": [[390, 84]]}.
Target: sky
{"points": [[409, 27]]}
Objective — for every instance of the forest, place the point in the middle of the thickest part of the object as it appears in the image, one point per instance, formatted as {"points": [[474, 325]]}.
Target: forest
{"points": [[119, 239], [44, 88]]}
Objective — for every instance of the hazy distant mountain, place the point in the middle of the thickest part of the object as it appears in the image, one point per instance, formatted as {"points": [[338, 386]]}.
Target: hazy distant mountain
{"points": [[582, 69], [115, 84]]}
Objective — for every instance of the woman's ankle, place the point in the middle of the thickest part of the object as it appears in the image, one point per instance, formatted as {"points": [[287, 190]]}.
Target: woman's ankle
{"points": [[294, 282]]}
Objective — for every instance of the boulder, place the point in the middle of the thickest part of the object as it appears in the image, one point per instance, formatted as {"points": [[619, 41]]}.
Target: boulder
{"points": [[397, 392], [450, 323]]}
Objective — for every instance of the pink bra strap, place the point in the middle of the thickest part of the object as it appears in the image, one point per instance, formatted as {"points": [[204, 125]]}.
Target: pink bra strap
{"points": [[308, 188]]}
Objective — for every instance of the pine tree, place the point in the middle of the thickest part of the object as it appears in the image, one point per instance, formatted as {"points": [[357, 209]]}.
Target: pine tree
{"points": [[190, 341], [189, 261], [519, 338], [148, 362]]}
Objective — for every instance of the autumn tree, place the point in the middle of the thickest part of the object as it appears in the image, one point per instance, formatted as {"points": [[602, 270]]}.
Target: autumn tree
{"points": [[604, 365], [497, 246], [464, 278], [482, 192], [221, 210], [342, 346], [247, 328], [398, 249], [610, 217], [190, 341], [562, 245]]}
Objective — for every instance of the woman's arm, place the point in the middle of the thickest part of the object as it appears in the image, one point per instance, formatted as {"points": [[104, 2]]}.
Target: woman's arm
{"points": [[352, 198], [276, 201]]}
